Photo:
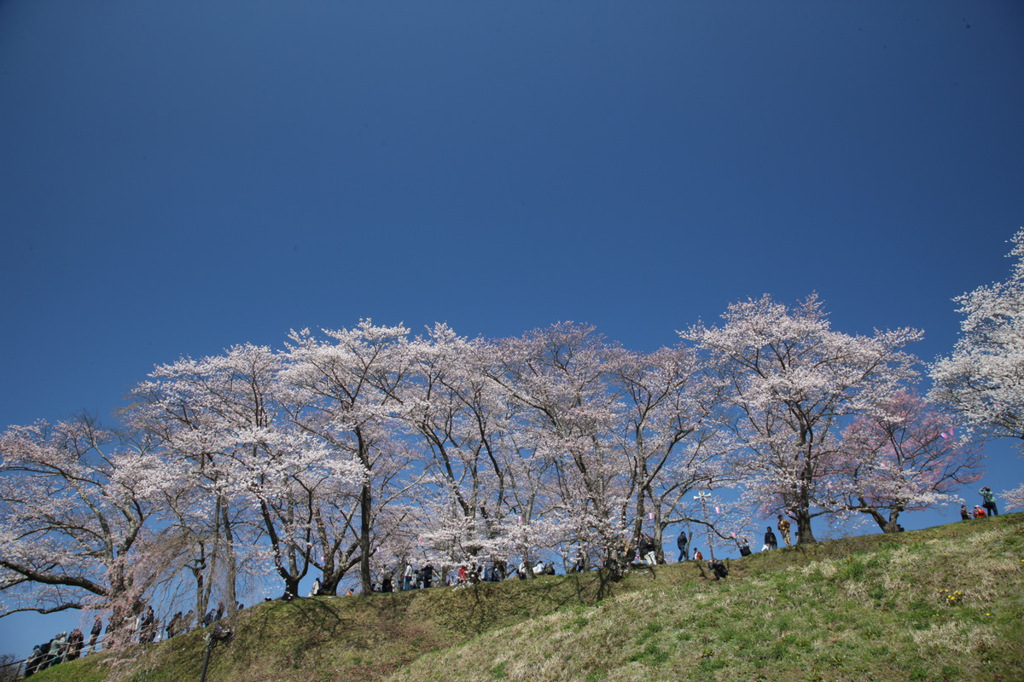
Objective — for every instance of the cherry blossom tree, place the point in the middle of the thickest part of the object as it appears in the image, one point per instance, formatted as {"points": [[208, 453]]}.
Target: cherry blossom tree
{"points": [[1014, 498], [669, 432], [347, 386], [983, 379], [903, 456], [230, 417], [791, 380], [335, 516], [559, 381], [77, 502], [461, 416], [171, 406]]}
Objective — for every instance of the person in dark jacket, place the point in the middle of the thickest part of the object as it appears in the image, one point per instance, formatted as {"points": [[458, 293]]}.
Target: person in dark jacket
{"points": [[75, 640], [147, 631], [94, 634], [770, 541], [744, 547], [681, 544], [35, 659]]}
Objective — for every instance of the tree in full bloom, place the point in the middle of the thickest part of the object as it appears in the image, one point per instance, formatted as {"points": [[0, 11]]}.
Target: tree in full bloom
{"points": [[230, 419], [77, 502], [668, 431], [172, 407], [791, 380], [348, 386], [1014, 499], [559, 381], [903, 456], [983, 379], [460, 416]]}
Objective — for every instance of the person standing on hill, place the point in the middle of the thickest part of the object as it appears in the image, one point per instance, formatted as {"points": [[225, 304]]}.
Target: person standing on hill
{"points": [[770, 541], [58, 647], [94, 634], [784, 529], [964, 514], [681, 544], [990, 501], [185, 624], [148, 626], [74, 644], [172, 628]]}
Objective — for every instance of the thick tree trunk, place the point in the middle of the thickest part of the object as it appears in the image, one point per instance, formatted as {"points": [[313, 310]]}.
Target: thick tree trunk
{"points": [[803, 528], [201, 594], [803, 512], [231, 567], [365, 505], [291, 585]]}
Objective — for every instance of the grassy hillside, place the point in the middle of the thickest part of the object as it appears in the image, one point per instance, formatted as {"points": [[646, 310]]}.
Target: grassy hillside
{"points": [[939, 604]]}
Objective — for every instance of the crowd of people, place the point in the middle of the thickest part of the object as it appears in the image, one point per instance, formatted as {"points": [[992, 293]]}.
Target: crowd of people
{"points": [[64, 647], [142, 629]]}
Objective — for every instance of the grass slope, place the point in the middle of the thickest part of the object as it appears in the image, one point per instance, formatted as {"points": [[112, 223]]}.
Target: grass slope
{"points": [[944, 603]]}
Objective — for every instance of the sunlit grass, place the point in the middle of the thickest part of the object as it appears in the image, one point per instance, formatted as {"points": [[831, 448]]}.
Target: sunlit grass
{"points": [[875, 607], [869, 615]]}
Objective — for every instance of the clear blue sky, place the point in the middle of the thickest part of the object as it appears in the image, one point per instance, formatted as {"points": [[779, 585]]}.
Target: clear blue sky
{"points": [[177, 177]]}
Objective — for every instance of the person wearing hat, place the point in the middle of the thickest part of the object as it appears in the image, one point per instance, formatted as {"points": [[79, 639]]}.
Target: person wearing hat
{"points": [[990, 501]]}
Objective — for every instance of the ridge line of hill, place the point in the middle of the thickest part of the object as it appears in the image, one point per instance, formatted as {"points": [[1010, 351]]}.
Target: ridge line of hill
{"points": [[940, 603]]}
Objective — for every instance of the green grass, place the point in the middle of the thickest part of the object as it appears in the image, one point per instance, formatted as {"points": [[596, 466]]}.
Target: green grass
{"points": [[944, 603]]}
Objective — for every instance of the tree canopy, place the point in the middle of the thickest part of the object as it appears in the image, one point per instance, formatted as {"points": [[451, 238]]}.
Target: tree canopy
{"points": [[350, 453]]}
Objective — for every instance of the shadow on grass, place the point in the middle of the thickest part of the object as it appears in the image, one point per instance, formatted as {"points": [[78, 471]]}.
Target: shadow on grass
{"points": [[317, 615]]}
